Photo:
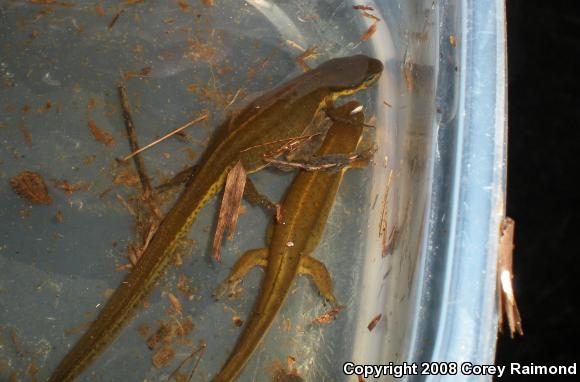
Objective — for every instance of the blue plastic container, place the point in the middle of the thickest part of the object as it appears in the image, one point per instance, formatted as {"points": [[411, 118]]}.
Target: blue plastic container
{"points": [[412, 238]]}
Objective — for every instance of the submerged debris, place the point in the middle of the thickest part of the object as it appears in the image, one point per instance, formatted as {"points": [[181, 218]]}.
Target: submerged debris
{"points": [[374, 322], [30, 186]]}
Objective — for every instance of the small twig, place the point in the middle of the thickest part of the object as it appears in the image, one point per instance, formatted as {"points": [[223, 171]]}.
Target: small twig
{"points": [[203, 117], [295, 45], [115, 18], [374, 322], [325, 318], [125, 204], [336, 162], [200, 350], [234, 98], [303, 137], [507, 305], [131, 132]]}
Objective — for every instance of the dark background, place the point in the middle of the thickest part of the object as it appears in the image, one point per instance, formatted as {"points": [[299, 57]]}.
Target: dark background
{"points": [[543, 171]]}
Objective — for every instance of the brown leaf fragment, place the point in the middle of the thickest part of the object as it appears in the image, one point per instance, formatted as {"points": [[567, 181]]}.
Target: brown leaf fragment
{"points": [[59, 217], [160, 334], [230, 206], [30, 186], [46, 107], [408, 68], [162, 357], [16, 342], [144, 72], [383, 223], [174, 302], [290, 361], [144, 330], [327, 317], [374, 322], [100, 135], [183, 6], [25, 134], [52, 2], [208, 3], [370, 16], [261, 65], [99, 9], [306, 55], [126, 177], [184, 287], [178, 262], [32, 370], [69, 188], [363, 8], [289, 374], [369, 33], [91, 103], [507, 305]]}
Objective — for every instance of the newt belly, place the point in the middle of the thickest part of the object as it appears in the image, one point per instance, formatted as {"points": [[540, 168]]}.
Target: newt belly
{"points": [[305, 209], [259, 128]]}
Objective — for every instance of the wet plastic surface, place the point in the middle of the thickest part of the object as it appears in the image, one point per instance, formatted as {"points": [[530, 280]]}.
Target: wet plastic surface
{"points": [[437, 181]]}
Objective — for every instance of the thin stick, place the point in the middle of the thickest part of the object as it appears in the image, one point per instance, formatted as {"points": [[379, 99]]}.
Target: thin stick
{"points": [[200, 350], [115, 18], [234, 98], [316, 165], [203, 117], [132, 133], [303, 137]]}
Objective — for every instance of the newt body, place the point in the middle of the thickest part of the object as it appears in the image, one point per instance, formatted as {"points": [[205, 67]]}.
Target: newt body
{"points": [[280, 114], [305, 209]]}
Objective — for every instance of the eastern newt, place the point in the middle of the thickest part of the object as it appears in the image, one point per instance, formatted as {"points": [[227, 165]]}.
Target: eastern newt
{"points": [[305, 209], [260, 127]]}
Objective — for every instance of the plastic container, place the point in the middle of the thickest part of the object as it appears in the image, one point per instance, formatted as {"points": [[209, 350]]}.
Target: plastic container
{"points": [[412, 238]]}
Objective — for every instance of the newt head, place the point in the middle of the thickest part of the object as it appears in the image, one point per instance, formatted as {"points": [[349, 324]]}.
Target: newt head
{"points": [[348, 75]]}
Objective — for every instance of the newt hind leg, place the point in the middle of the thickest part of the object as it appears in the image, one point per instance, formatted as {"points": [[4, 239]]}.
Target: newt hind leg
{"points": [[317, 271], [249, 260]]}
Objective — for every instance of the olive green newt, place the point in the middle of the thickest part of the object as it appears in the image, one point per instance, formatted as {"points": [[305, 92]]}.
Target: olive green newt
{"points": [[257, 129], [304, 209]]}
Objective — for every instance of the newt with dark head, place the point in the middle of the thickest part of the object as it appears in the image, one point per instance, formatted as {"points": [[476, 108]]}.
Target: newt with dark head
{"points": [[259, 128], [305, 209]]}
